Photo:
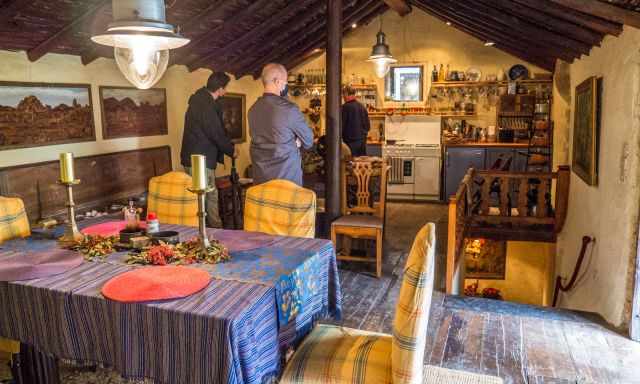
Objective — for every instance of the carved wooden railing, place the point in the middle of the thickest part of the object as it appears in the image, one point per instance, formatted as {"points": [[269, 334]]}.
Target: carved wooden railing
{"points": [[506, 205]]}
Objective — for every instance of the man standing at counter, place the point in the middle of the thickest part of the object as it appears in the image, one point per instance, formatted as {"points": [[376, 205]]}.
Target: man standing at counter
{"points": [[204, 134], [278, 130], [355, 123]]}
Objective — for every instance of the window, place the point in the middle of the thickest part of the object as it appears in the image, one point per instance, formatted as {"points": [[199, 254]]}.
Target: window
{"points": [[404, 83]]}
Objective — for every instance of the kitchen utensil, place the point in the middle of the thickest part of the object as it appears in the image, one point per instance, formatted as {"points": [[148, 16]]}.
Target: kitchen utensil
{"points": [[542, 108], [518, 72], [169, 237], [473, 74]]}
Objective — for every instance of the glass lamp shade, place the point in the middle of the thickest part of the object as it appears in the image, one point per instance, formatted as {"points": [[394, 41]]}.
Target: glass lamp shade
{"points": [[142, 66], [381, 65]]}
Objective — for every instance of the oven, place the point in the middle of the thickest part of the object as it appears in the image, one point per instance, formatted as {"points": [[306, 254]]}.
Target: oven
{"points": [[402, 173], [402, 170]]}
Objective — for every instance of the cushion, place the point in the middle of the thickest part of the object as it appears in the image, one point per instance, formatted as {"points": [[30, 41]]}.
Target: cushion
{"points": [[170, 200], [156, 283], [280, 207], [366, 221], [412, 310], [332, 354], [13, 219]]}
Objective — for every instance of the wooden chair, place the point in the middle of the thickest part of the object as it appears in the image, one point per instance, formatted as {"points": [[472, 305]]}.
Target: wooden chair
{"points": [[333, 354], [280, 207], [365, 219], [13, 224], [171, 201]]}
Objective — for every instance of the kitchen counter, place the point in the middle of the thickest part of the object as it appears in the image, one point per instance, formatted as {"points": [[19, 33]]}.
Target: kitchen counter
{"points": [[485, 144]]}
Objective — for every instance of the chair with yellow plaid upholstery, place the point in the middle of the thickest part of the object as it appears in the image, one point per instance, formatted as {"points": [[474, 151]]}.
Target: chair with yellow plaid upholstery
{"points": [[170, 200], [13, 224], [280, 207], [333, 354]]}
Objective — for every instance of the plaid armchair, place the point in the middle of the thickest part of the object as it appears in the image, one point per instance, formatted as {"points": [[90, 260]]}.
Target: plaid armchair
{"points": [[171, 201], [280, 207]]}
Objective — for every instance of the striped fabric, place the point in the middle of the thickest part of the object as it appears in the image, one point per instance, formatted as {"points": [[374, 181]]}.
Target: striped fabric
{"points": [[13, 224], [334, 354], [226, 333], [412, 310], [171, 201], [280, 207]]}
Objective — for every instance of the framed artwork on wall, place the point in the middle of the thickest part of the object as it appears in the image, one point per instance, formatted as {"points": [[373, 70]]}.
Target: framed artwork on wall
{"points": [[132, 112], [485, 259], [37, 114], [234, 116], [586, 130]]}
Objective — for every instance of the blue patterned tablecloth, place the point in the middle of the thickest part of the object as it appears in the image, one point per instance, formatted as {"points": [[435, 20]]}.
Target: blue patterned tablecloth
{"points": [[259, 304]]}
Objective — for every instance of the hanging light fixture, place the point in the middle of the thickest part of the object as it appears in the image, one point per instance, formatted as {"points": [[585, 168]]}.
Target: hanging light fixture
{"points": [[381, 55], [141, 39]]}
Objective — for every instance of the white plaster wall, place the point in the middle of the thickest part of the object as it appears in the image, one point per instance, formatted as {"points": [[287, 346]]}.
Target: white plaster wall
{"points": [[608, 211]]}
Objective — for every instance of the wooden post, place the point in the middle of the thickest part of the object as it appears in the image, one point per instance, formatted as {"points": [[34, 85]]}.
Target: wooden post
{"points": [[333, 119], [451, 246]]}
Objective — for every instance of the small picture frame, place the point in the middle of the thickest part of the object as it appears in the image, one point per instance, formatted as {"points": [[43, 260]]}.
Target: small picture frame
{"points": [[234, 116], [586, 130], [132, 112]]}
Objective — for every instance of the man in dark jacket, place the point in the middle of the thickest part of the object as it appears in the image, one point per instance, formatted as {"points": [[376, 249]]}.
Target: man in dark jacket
{"points": [[355, 123], [204, 134]]}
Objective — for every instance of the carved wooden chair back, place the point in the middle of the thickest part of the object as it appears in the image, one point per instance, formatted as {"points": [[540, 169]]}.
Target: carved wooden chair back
{"points": [[363, 173]]}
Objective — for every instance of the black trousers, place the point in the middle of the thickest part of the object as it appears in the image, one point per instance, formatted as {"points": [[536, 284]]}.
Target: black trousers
{"points": [[358, 148]]}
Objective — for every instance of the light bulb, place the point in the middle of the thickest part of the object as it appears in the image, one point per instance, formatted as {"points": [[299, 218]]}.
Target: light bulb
{"points": [[382, 66], [142, 65]]}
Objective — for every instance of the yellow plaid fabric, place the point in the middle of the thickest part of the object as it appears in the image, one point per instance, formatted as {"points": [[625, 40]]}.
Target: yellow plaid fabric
{"points": [[334, 354], [170, 200], [280, 207], [412, 310], [13, 223]]}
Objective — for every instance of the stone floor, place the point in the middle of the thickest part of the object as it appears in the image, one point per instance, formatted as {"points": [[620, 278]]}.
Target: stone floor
{"points": [[373, 311]]}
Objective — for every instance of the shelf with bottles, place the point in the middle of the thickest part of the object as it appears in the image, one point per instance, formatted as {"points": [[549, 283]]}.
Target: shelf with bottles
{"points": [[369, 87], [459, 84]]}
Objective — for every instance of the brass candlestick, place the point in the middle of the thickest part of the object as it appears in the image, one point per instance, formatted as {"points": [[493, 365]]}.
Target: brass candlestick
{"points": [[202, 216], [71, 232]]}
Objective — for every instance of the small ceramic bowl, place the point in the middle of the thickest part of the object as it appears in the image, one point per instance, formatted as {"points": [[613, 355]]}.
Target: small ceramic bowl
{"points": [[169, 237], [127, 234]]}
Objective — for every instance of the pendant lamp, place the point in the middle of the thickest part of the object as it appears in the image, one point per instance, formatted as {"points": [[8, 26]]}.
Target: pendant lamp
{"points": [[381, 55], [141, 39]]}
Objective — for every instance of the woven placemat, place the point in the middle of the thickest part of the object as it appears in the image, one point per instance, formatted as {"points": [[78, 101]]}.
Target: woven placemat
{"points": [[438, 375]]}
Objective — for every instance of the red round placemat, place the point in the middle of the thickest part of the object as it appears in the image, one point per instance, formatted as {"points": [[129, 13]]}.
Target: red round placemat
{"points": [[156, 283], [110, 228]]}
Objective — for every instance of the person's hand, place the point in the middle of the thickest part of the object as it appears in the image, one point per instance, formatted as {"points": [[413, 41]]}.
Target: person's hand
{"points": [[298, 143]]}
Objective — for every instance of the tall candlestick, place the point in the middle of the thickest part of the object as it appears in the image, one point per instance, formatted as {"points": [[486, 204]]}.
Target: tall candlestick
{"points": [[199, 172], [66, 167]]}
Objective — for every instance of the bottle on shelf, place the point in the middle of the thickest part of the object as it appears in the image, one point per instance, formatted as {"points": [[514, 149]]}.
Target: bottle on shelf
{"points": [[447, 74], [434, 74], [441, 75]]}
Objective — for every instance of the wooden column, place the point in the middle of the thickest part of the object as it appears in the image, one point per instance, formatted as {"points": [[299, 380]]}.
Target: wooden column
{"points": [[334, 77]]}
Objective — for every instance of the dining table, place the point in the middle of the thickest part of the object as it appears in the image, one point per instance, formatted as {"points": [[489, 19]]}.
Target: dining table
{"points": [[258, 306]]}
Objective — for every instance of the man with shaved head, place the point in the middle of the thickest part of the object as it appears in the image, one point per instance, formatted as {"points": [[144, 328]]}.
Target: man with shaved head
{"points": [[278, 130]]}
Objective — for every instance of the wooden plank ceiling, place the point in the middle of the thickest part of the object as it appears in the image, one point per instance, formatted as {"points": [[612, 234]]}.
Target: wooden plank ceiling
{"points": [[240, 36]]}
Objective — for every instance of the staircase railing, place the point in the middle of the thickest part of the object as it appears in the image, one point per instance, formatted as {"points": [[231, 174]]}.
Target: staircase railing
{"points": [[510, 205]]}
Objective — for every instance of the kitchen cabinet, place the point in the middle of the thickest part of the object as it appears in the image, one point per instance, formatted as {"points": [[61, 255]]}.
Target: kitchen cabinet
{"points": [[456, 163]]}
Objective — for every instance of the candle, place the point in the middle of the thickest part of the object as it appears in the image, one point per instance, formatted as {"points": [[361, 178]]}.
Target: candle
{"points": [[199, 172], [66, 167]]}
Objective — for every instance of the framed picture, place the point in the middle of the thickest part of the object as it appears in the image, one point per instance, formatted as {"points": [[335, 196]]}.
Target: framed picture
{"points": [[37, 114], [132, 112], [234, 116], [586, 130], [485, 259]]}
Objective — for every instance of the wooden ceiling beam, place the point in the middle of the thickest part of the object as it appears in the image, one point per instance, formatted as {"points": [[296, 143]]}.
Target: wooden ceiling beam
{"points": [[189, 54], [484, 10], [603, 10], [50, 43], [526, 12], [401, 7], [498, 34], [253, 33], [10, 10], [316, 32], [556, 11], [543, 61]]}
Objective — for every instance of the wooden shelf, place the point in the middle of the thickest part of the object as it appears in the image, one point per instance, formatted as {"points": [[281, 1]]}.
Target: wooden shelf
{"points": [[399, 113], [369, 87], [485, 83]]}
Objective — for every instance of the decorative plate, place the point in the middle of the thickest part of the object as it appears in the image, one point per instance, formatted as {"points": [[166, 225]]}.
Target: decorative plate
{"points": [[518, 72], [473, 74]]}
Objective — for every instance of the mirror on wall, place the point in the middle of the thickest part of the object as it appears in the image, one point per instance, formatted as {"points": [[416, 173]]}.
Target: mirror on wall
{"points": [[404, 83]]}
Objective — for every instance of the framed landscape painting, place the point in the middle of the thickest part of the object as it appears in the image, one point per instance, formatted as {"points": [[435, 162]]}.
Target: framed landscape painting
{"points": [[234, 116], [37, 114], [132, 112], [586, 130]]}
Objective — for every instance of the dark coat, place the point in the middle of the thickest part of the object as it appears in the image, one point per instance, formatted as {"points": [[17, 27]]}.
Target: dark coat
{"points": [[355, 122], [204, 132]]}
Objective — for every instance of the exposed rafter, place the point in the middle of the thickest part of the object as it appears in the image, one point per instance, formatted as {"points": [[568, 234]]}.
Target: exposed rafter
{"points": [[10, 10], [402, 7], [242, 41], [603, 10], [41, 49]]}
